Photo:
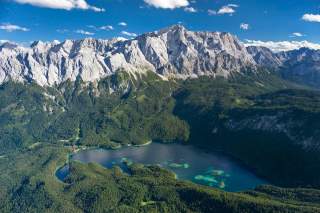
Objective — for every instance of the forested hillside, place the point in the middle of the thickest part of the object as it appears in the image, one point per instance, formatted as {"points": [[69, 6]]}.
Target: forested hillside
{"points": [[268, 124]]}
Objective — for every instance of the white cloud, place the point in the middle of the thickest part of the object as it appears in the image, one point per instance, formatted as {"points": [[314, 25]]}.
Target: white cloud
{"points": [[244, 26], [12, 27], [97, 9], [297, 34], [282, 45], [124, 24], [129, 34], [190, 10], [167, 4], [61, 4], [96, 28], [227, 9], [122, 39], [83, 32], [233, 5], [107, 27], [311, 17]]}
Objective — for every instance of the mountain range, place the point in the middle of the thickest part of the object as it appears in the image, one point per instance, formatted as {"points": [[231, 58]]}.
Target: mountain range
{"points": [[205, 89], [173, 52]]}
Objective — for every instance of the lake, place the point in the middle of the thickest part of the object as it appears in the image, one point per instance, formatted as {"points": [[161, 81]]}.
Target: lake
{"points": [[187, 162]]}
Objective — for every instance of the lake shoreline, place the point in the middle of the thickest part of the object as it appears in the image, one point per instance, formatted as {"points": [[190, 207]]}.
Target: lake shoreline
{"points": [[186, 161]]}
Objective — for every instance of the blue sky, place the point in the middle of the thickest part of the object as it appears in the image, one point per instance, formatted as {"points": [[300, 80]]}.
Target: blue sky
{"points": [[23, 21]]}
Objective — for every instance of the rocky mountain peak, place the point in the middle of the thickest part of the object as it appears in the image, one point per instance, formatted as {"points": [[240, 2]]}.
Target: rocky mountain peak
{"points": [[8, 45], [264, 56], [178, 28], [171, 52], [301, 66]]}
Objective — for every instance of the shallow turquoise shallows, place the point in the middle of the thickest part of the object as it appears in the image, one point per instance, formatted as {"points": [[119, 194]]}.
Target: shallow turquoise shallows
{"points": [[188, 162]]}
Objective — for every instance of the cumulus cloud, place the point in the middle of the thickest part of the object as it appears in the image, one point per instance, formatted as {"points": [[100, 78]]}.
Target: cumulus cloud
{"points": [[311, 17], [124, 24], [190, 10], [167, 4], [129, 34], [107, 27], [11, 28], [297, 34], [282, 45], [122, 39], [83, 32], [227, 9], [62, 4], [244, 26]]}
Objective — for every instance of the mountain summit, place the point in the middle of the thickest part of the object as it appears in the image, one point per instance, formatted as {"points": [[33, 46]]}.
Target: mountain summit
{"points": [[171, 52]]}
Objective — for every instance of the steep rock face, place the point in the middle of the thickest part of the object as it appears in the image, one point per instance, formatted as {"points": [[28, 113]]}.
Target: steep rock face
{"points": [[301, 66], [172, 52], [182, 53], [264, 56]]}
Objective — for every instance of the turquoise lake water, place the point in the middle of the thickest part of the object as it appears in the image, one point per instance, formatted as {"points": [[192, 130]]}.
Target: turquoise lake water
{"points": [[188, 162]]}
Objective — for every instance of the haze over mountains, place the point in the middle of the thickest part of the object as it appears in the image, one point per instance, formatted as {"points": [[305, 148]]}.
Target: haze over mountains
{"points": [[174, 52]]}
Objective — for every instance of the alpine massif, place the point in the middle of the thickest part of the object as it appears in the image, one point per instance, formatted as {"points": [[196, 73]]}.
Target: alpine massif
{"points": [[172, 52], [203, 88]]}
